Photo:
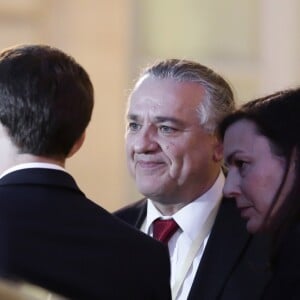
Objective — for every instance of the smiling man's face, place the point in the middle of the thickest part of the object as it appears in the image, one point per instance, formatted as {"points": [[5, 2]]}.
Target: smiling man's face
{"points": [[169, 154]]}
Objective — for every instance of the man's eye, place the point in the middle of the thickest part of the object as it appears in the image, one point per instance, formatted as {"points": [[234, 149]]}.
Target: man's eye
{"points": [[166, 129], [132, 126]]}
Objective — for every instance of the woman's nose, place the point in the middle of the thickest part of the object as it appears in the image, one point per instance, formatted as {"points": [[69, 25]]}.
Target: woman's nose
{"points": [[231, 187]]}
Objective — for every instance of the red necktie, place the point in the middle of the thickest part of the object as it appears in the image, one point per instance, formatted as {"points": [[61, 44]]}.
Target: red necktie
{"points": [[164, 229]]}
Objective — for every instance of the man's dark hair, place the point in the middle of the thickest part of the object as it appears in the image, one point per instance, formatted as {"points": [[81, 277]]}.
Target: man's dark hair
{"points": [[46, 99]]}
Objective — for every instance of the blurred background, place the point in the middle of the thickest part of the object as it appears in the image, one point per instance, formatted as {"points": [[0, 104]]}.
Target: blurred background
{"points": [[254, 44]]}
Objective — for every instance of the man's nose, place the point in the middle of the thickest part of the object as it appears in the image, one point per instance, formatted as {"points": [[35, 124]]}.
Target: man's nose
{"points": [[145, 141]]}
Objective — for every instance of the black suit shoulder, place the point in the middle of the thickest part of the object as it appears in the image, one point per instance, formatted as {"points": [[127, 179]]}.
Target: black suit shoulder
{"points": [[53, 236]]}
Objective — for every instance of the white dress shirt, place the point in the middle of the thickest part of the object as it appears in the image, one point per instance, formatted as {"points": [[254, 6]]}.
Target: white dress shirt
{"points": [[191, 219], [32, 165]]}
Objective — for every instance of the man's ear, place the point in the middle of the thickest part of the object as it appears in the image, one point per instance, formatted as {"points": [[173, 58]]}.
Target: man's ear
{"points": [[77, 145], [218, 151]]}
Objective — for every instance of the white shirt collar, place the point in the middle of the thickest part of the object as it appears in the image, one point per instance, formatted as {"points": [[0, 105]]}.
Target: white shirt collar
{"points": [[192, 216], [32, 165]]}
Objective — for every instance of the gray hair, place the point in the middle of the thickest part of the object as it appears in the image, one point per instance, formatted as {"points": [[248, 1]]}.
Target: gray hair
{"points": [[219, 99]]}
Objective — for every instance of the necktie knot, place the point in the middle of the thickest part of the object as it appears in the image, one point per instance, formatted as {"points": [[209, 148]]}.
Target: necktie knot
{"points": [[164, 229]]}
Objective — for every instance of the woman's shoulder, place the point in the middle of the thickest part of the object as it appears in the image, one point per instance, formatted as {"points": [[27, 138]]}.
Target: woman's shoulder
{"points": [[288, 254], [285, 282]]}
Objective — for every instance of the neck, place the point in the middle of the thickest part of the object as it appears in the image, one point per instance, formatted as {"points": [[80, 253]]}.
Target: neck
{"points": [[169, 204], [29, 158], [168, 209], [10, 155]]}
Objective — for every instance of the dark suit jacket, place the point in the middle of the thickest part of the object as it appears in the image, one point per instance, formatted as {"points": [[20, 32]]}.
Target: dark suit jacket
{"points": [[53, 236], [233, 266], [285, 282]]}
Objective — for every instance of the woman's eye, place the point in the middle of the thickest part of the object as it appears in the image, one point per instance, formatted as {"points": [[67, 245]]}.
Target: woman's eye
{"points": [[241, 165]]}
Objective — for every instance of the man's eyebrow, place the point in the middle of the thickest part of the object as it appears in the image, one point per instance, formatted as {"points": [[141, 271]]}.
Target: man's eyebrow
{"points": [[157, 119], [163, 119], [133, 117]]}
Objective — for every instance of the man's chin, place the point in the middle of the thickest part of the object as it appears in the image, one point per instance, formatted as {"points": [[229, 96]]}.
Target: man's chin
{"points": [[149, 185], [149, 192]]}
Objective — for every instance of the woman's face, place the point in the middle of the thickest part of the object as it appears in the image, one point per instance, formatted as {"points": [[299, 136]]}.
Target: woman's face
{"points": [[254, 173]]}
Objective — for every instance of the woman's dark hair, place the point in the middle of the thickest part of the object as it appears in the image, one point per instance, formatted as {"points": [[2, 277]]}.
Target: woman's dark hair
{"points": [[277, 117]]}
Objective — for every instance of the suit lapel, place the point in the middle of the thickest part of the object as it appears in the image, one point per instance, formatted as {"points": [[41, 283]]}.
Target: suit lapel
{"points": [[133, 214], [141, 214], [226, 244]]}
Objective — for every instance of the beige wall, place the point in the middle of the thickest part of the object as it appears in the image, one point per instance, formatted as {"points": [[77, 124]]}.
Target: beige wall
{"points": [[253, 43], [96, 33]]}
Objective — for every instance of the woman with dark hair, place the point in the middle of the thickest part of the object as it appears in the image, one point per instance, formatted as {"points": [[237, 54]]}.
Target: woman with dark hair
{"points": [[261, 151]]}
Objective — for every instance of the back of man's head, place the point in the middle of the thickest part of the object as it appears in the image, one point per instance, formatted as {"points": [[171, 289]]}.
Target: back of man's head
{"points": [[46, 99]]}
